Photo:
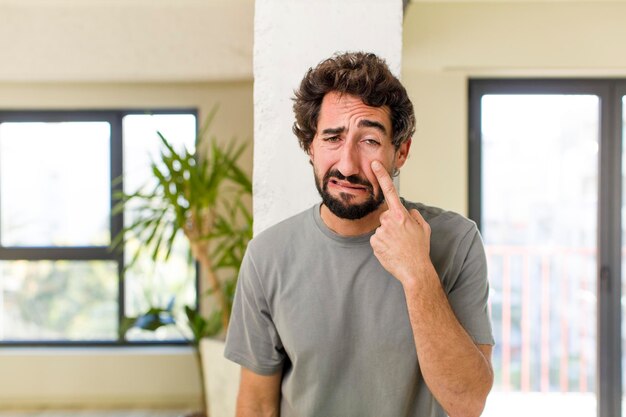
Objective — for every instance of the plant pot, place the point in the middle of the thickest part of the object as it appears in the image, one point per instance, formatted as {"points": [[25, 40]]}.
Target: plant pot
{"points": [[221, 379]]}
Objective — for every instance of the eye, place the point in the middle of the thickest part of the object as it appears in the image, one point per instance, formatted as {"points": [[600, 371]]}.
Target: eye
{"points": [[372, 142], [331, 139]]}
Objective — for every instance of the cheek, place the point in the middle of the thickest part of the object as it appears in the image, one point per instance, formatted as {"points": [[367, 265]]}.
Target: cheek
{"points": [[369, 175], [323, 164]]}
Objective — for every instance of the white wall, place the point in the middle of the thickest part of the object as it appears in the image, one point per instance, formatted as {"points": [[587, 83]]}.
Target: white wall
{"points": [[291, 37], [98, 377]]}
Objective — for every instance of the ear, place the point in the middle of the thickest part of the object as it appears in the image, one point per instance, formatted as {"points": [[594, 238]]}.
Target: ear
{"points": [[402, 153], [310, 152]]}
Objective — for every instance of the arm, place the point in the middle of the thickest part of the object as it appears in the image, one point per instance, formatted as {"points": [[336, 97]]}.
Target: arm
{"points": [[457, 371], [259, 395], [253, 341]]}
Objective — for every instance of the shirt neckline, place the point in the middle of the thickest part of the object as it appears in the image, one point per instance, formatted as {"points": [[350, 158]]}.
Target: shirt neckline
{"points": [[346, 240]]}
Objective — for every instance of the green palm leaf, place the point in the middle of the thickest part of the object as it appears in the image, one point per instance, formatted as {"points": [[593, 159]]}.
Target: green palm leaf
{"points": [[202, 196]]}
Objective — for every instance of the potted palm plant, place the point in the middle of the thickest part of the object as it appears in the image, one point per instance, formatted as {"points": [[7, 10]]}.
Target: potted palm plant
{"points": [[203, 196]]}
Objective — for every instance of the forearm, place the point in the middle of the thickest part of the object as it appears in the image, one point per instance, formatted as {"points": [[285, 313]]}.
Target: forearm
{"points": [[454, 368], [252, 410], [259, 396]]}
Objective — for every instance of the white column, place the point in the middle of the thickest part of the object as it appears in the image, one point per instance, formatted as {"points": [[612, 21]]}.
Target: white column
{"points": [[289, 38]]}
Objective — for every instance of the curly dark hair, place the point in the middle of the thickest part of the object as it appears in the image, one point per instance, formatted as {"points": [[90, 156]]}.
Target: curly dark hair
{"points": [[361, 74]]}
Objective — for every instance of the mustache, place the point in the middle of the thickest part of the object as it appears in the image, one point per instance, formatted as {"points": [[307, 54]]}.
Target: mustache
{"points": [[352, 179]]}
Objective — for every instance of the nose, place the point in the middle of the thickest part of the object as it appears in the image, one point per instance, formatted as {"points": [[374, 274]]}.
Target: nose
{"points": [[348, 163]]}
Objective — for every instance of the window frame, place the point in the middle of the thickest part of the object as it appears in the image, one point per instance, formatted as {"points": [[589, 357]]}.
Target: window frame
{"points": [[116, 221], [608, 269]]}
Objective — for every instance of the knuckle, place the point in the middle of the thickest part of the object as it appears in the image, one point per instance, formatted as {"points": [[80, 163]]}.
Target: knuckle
{"points": [[401, 216], [389, 190]]}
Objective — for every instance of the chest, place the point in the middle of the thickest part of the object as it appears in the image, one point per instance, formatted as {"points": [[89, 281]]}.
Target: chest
{"points": [[340, 304]]}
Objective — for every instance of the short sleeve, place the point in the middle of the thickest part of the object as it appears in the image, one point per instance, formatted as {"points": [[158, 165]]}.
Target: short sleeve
{"points": [[469, 295], [252, 340]]}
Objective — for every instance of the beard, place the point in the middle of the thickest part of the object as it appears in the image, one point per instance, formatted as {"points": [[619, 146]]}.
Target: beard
{"points": [[342, 206]]}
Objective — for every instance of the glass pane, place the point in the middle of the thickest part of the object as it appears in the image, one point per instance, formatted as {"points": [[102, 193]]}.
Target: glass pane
{"points": [[62, 300], [149, 284], [540, 174], [55, 184]]}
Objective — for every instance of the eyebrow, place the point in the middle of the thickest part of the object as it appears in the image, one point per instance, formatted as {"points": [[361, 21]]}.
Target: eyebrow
{"points": [[372, 123], [362, 123], [333, 130]]}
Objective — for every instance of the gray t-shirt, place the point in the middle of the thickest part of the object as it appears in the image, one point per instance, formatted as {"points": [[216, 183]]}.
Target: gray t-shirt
{"points": [[321, 308]]}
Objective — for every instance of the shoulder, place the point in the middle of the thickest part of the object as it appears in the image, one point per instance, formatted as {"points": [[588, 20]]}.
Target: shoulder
{"points": [[456, 248], [443, 221], [285, 232]]}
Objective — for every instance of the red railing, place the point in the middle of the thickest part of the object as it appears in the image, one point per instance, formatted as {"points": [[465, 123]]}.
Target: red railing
{"points": [[558, 360]]}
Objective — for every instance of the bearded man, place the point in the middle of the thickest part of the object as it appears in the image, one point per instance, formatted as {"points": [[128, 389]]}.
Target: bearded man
{"points": [[365, 304]]}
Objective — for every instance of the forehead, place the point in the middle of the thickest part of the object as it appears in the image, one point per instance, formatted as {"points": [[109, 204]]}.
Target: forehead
{"points": [[341, 110]]}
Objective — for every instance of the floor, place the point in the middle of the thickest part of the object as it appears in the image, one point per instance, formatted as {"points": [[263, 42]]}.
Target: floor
{"points": [[94, 413]]}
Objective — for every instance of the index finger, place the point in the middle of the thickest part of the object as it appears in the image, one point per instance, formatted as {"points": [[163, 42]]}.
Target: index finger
{"points": [[386, 185]]}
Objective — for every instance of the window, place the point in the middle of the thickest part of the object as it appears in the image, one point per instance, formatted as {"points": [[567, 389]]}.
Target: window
{"points": [[545, 175], [60, 281]]}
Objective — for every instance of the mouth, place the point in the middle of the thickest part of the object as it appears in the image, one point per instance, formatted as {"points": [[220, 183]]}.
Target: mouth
{"points": [[347, 186]]}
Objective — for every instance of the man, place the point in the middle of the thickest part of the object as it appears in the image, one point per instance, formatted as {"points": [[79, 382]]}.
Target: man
{"points": [[365, 304]]}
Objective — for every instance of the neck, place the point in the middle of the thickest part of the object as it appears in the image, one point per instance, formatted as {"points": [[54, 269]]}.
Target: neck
{"points": [[345, 227]]}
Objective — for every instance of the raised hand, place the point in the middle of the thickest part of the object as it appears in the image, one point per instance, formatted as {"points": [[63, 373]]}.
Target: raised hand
{"points": [[402, 241]]}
